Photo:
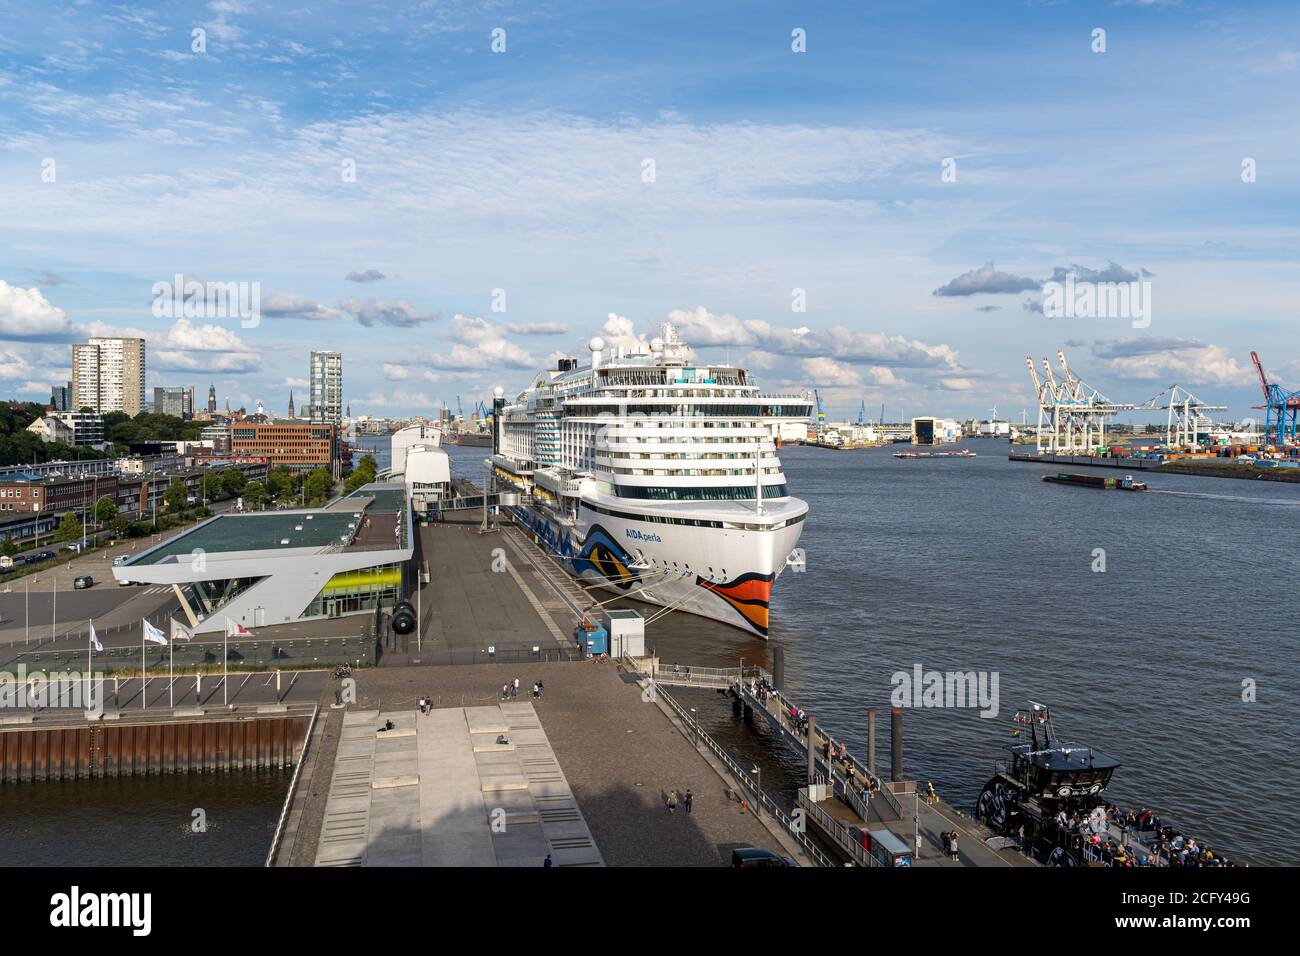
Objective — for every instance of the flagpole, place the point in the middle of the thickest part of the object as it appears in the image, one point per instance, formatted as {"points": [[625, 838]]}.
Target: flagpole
{"points": [[225, 664], [171, 656], [90, 660], [143, 702]]}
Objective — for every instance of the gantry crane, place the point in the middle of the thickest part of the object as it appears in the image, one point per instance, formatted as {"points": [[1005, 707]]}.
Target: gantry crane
{"points": [[1280, 408]]}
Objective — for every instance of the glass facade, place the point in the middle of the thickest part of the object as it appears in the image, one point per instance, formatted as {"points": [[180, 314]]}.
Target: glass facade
{"points": [[351, 591]]}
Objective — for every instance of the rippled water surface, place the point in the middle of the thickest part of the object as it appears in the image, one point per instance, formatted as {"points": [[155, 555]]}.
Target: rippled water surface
{"points": [[978, 564]]}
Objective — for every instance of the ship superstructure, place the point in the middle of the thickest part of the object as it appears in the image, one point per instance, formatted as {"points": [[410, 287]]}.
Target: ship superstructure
{"points": [[656, 476]]}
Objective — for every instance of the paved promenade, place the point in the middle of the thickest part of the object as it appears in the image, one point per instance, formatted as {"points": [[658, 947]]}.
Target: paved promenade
{"points": [[619, 755], [475, 786]]}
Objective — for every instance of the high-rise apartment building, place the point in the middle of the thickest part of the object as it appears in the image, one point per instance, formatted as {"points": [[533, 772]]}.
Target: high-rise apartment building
{"points": [[108, 376], [327, 387]]}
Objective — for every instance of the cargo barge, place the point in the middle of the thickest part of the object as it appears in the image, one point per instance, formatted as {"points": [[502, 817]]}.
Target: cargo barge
{"points": [[1127, 483], [935, 454]]}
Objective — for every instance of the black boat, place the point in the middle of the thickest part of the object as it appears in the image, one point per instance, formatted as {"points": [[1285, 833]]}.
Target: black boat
{"points": [[1127, 483], [1046, 780]]}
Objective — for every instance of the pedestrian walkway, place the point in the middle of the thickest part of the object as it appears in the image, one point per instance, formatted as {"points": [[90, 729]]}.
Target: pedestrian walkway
{"points": [[471, 786]]}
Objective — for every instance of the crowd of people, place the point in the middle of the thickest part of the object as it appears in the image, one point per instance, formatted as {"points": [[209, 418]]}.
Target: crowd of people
{"points": [[1125, 838]]}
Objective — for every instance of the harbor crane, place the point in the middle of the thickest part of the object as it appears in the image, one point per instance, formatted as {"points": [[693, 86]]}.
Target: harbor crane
{"points": [[1187, 420], [1280, 408], [1072, 415]]}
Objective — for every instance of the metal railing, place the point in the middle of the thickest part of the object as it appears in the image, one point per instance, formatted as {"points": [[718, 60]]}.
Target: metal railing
{"points": [[695, 676], [746, 781], [839, 780], [836, 831], [293, 788]]}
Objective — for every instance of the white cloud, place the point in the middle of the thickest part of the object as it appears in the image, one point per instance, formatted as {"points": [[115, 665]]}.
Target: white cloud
{"points": [[26, 313], [203, 348], [538, 328], [825, 371], [396, 373], [480, 345]]}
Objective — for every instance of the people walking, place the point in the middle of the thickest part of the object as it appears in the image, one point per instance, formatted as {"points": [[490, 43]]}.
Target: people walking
{"points": [[688, 799], [672, 801], [514, 691], [952, 846]]}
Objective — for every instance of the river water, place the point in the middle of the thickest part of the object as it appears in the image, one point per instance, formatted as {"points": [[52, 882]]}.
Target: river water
{"points": [[978, 564], [143, 821]]}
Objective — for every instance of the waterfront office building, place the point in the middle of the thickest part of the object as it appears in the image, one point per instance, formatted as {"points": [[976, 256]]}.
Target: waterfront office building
{"points": [[300, 446], [271, 568], [108, 376], [61, 398], [327, 387]]}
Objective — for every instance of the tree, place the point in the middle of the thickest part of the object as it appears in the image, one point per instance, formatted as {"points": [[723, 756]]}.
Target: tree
{"points": [[119, 526], [233, 481], [318, 487], [69, 528], [9, 548], [174, 499], [254, 494], [105, 510], [282, 482], [212, 485]]}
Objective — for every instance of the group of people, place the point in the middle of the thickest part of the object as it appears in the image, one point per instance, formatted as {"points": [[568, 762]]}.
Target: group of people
{"points": [[1124, 838], [510, 690], [687, 800]]}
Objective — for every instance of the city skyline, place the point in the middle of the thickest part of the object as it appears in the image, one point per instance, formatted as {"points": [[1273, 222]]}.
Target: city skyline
{"points": [[799, 194]]}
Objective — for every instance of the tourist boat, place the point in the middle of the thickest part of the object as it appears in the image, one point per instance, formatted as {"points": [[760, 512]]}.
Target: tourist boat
{"points": [[1045, 778], [655, 476]]}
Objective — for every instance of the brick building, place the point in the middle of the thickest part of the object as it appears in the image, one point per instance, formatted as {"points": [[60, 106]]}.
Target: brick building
{"points": [[301, 446]]}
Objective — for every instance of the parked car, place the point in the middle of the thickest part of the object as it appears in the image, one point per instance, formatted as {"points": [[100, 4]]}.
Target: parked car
{"points": [[44, 556], [72, 546], [81, 582], [755, 856]]}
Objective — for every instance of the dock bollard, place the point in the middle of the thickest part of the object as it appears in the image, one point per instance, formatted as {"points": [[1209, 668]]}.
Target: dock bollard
{"points": [[896, 743], [871, 741], [812, 749]]}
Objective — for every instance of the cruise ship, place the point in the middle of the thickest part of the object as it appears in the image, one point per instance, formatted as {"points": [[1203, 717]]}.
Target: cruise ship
{"points": [[656, 477]]}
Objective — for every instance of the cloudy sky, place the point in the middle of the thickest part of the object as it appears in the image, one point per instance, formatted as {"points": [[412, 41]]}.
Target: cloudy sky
{"points": [[873, 216]]}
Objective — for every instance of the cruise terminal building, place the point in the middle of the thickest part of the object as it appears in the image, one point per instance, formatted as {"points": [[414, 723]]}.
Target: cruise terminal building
{"points": [[269, 568]]}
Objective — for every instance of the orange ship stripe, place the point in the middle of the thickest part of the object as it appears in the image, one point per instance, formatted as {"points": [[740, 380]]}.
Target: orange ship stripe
{"points": [[751, 590]]}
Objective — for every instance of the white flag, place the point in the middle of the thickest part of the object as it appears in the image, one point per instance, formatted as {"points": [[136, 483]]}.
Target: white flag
{"points": [[153, 635], [180, 632], [237, 630], [94, 638]]}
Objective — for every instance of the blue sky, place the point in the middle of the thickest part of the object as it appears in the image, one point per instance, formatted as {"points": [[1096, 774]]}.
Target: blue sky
{"points": [[773, 171]]}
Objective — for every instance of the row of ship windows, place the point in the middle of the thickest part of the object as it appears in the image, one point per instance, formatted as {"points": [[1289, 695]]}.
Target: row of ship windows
{"points": [[622, 410], [691, 522], [699, 493], [691, 472], [683, 456]]}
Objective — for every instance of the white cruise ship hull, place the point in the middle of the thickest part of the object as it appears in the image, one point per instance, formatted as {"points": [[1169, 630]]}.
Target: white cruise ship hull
{"points": [[690, 560]]}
